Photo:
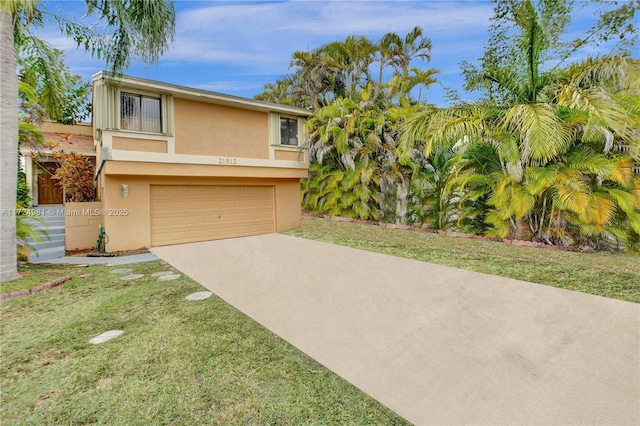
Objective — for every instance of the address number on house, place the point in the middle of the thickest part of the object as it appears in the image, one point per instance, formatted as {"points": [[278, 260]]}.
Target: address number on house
{"points": [[227, 161]]}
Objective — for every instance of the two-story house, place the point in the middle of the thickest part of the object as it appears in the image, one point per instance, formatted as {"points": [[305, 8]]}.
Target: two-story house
{"points": [[176, 164]]}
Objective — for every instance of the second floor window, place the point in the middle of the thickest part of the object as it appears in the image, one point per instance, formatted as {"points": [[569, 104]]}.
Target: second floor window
{"points": [[288, 131], [141, 113]]}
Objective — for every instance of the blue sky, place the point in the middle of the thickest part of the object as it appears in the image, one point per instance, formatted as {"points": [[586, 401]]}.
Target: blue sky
{"points": [[235, 47]]}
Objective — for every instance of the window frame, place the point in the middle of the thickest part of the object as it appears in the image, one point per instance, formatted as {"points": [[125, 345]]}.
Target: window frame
{"points": [[275, 137], [289, 119], [141, 96]]}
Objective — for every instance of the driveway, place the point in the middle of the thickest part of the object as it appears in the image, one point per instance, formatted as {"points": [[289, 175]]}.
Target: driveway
{"points": [[438, 345]]}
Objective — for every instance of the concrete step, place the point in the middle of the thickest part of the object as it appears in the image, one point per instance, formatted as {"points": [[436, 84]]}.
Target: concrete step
{"points": [[47, 253], [51, 230], [50, 219], [55, 238], [46, 244]]}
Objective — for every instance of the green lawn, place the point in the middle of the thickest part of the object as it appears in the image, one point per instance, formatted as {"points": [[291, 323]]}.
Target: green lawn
{"points": [[178, 362], [615, 275]]}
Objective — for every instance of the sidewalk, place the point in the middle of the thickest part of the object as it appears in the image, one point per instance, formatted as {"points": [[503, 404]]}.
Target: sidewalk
{"points": [[117, 260]]}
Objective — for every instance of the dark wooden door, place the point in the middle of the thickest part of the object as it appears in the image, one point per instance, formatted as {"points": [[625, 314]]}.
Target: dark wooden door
{"points": [[49, 192]]}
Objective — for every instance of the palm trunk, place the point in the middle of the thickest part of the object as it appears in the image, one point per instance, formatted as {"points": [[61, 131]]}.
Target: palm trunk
{"points": [[8, 147], [522, 231]]}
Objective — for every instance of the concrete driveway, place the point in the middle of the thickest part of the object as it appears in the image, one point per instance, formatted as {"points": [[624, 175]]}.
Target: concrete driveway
{"points": [[438, 345]]}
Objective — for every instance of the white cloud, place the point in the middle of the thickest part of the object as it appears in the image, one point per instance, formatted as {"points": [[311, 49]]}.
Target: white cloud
{"points": [[252, 34]]}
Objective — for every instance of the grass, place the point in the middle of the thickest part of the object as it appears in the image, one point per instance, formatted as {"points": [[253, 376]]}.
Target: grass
{"points": [[178, 362], [614, 275]]}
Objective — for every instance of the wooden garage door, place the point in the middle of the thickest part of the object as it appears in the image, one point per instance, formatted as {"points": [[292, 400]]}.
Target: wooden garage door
{"points": [[183, 214]]}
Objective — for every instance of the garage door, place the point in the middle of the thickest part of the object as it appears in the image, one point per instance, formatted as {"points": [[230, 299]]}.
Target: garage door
{"points": [[184, 214]]}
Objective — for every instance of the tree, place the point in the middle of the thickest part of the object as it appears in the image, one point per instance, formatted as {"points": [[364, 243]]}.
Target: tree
{"points": [[436, 204], [552, 128], [404, 50], [75, 176], [141, 29], [355, 169], [8, 141], [47, 89], [342, 69]]}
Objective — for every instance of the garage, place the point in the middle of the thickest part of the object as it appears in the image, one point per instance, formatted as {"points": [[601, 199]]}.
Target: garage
{"points": [[190, 213]]}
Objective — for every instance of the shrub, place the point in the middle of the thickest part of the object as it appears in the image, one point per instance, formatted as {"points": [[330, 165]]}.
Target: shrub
{"points": [[22, 193], [75, 175]]}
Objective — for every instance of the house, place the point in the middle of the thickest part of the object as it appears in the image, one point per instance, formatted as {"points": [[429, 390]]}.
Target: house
{"points": [[176, 164], [39, 163]]}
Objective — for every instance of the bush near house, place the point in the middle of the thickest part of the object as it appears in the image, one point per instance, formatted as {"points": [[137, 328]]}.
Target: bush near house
{"points": [[22, 193], [75, 175]]}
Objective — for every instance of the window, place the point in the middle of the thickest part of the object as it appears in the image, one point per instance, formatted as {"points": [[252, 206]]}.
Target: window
{"points": [[288, 131], [140, 113]]}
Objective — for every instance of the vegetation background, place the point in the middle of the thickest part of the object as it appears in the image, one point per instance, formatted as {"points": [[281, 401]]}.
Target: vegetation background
{"points": [[548, 153]]}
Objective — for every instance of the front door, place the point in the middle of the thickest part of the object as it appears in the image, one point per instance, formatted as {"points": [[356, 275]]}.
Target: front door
{"points": [[49, 192]]}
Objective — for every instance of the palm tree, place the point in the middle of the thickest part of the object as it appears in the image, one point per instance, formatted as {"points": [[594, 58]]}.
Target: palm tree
{"points": [[356, 169], [436, 204], [47, 89], [319, 76], [350, 58], [388, 45], [8, 140], [423, 78], [552, 120], [134, 29], [414, 45], [341, 174]]}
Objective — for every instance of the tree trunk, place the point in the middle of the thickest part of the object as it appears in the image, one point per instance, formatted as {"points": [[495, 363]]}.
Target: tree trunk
{"points": [[522, 231], [8, 148]]}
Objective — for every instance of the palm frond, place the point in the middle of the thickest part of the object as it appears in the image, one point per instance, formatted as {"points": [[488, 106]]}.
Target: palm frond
{"points": [[543, 136], [624, 199], [571, 191], [538, 179], [599, 211]]}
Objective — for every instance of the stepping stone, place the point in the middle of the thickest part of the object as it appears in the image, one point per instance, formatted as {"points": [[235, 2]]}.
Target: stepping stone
{"points": [[107, 335], [131, 277], [122, 271], [161, 274], [199, 295], [170, 277]]}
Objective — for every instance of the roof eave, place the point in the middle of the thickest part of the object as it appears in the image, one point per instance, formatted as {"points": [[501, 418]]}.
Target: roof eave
{"points": [[201, 95]]}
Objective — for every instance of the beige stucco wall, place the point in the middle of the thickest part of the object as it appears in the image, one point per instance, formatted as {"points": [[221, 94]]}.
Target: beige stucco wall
{"points": [[289, 155], [188, 170], [81, 223], [288, 208], [208, 129], [135, 144], [128, 220]]}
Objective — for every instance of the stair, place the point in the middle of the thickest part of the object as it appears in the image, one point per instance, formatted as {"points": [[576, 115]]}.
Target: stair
{"points": [[54, 246]]}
